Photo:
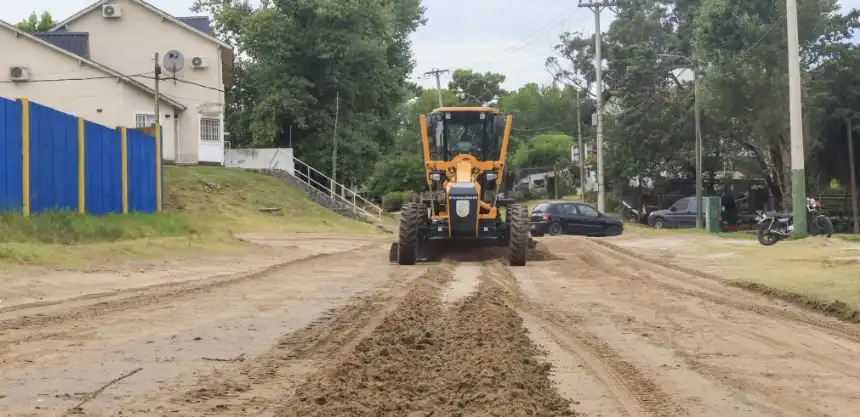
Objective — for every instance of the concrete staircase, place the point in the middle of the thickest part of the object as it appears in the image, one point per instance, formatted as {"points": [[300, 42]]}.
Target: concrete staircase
{"points": [[331, 195], [322, 198]]}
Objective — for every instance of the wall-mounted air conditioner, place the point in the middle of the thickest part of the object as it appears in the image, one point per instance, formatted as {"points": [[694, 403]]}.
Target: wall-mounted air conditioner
{"points": [[19, 73], [111, 11], [199, 62]]}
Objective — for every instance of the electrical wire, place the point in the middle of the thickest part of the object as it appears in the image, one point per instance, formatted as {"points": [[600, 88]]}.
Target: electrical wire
{"points": [[187, 82], [738, 56], [526, 38], [545, 127], [101, 77]]}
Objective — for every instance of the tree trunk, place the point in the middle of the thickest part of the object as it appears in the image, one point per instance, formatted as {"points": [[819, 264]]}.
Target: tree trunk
{"points": [[770, 174]]}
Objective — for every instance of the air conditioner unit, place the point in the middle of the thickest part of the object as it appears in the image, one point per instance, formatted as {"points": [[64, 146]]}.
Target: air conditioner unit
{"points": [[199, 62], [111, 11], [19, 73]]}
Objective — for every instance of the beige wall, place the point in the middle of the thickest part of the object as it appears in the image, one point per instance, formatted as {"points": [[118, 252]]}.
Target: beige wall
{"points": [[128, 44], [105, 101]]}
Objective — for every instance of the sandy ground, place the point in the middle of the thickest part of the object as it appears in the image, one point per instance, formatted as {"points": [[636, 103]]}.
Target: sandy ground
{"points": [[324, 326]]}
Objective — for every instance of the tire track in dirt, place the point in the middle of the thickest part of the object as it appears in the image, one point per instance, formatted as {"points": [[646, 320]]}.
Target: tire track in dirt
{"points": [[723, 297], [471, 357], [136, 298], [731, 304], [725, 294], [258, 386], [637, 394]]}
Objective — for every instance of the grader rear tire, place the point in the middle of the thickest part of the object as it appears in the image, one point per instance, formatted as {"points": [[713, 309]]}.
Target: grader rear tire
{"points": [[518, 244], [407, 248]]}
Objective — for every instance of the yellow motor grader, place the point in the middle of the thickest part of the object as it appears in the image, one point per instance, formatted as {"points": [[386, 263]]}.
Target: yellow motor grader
{"points": [[465, 149]]}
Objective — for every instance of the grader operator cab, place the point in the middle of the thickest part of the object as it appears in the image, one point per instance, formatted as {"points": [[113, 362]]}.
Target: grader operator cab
{"points": [[464, 157]]}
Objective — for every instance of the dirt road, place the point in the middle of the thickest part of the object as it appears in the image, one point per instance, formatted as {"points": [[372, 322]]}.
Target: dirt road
{"points": [[334, 330]]}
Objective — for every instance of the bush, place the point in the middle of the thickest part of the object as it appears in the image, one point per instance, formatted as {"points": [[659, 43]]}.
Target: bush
{"points": [[399, 174], [394, 200]]}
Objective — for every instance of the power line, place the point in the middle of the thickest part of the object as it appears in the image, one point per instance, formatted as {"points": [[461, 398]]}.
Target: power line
{"points": [[545, 127], [53, 80], [517, 44]]}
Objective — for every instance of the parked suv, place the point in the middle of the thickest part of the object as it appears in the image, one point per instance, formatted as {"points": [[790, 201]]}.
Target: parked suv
{"points": [[566, 217], [680, 214]]}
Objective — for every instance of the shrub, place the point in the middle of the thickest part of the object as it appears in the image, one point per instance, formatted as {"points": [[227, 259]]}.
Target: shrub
{"points": [[394, 200]]}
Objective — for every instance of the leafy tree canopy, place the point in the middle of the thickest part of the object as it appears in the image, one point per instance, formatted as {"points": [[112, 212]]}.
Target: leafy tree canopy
{"points": [[37, 23]]}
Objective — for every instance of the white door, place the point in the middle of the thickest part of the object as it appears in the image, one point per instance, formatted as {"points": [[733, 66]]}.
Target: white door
{"points": [[211, 142]]}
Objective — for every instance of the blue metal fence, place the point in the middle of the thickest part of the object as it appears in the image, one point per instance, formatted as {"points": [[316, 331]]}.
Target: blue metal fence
{"points": [[50, 160]]}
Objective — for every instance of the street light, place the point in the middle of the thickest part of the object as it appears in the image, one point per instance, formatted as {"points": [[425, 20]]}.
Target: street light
{"points": [[694, 65]]}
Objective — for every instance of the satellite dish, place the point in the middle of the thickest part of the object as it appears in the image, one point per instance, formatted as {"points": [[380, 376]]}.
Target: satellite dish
{"points": [[174, 61]]}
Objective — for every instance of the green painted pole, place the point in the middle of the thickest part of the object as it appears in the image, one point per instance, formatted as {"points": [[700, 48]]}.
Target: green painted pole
{"points": [[798, 171]]}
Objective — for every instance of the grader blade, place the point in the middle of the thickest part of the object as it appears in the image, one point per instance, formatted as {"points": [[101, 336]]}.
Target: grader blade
{"points": [[392, 253]]}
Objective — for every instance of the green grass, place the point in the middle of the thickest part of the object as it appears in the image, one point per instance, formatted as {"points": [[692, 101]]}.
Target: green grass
{"points": [[72, 229], [220, 198], [204, 208]]}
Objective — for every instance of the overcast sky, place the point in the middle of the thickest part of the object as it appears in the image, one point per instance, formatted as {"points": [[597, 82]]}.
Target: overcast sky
{"points": [[506, 36]]}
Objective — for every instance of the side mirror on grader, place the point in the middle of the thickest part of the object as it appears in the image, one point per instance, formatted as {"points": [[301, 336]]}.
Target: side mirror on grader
{"points": [[465, 150]]}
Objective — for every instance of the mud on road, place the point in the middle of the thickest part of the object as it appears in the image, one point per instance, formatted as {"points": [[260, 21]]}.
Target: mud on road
{"points": [[582, 330]]}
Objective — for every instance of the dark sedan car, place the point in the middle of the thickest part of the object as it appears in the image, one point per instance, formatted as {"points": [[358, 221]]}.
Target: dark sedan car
{"points": [[565, 217]]}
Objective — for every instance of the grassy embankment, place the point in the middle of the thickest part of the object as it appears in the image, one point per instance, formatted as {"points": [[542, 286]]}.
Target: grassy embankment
{"points": [[204, 208]]}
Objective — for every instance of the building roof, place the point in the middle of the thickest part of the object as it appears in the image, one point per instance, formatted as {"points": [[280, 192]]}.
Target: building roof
{"points": [[200, 23], [77, 43], [108, 71], [164, 15]]}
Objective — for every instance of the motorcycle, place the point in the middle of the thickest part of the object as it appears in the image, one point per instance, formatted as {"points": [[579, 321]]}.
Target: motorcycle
{"points": [[774, 226]]}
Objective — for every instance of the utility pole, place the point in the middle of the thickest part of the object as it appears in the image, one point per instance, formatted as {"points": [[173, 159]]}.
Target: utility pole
{"points": [[581, 146], [597, 7], [798, 170], [694, 64], [700, 210], [437, 73], [852, 181], [157, 98], [334, 148]]}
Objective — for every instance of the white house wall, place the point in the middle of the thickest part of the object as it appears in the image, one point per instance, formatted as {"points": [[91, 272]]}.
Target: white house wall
{"points": [[268, 158], [106, 101], [128, 45]]}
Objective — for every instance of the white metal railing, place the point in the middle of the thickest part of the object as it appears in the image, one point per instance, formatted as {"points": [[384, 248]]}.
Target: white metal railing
{"points": [[338, 191]]}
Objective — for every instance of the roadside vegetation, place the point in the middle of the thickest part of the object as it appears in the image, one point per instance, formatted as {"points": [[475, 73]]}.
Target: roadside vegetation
{"points": [[205, 207]]}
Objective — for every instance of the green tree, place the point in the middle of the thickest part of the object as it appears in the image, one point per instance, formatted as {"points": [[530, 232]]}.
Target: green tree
{"points": [[743, 44], [405, 173], [485, 87], [543, 151], [836, 98], [300, 56], [37, 23]]}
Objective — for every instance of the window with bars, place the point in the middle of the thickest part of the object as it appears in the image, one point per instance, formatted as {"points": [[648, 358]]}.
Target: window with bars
{"points": [[144, 120], [210, 129]]}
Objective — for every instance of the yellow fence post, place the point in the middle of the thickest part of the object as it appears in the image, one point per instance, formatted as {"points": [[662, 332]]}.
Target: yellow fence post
{"points": [[124, 152], [82, 196], [25, 156], [158, 178]]}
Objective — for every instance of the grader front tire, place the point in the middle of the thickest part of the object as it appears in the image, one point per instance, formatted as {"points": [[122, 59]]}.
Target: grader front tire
{"points": [[519, 226], [407, 248]]}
